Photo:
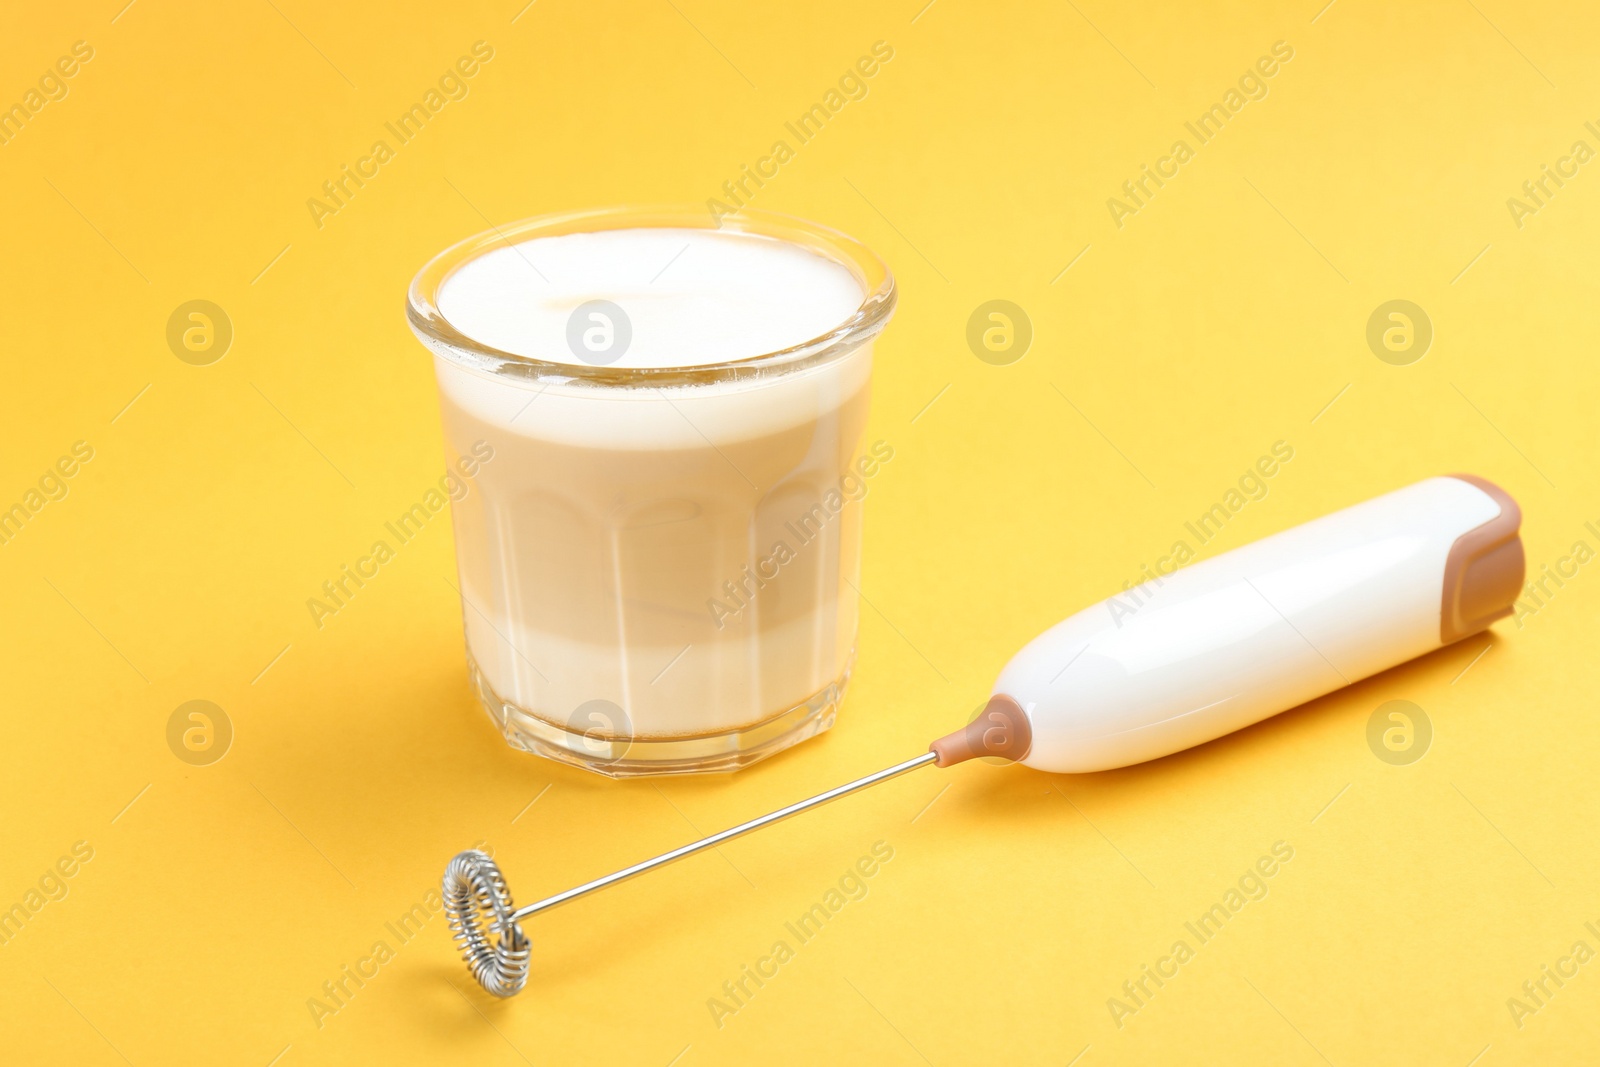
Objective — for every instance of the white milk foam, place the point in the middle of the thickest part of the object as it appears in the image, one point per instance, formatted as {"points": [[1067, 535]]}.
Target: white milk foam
{"points": [[693, 296]]}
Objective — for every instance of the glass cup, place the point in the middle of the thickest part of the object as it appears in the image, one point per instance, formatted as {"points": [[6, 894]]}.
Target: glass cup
{"points": [[658, 565]]}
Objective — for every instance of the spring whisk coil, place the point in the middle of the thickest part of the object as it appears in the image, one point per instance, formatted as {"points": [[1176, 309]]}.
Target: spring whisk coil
{"points": [[474, 885]]}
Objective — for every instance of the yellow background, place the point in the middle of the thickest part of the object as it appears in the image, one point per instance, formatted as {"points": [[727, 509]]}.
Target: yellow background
{"points": [[1224, 316]]}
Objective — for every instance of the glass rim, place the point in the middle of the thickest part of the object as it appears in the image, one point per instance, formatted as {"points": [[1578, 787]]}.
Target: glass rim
{"points": [[866, 322]]}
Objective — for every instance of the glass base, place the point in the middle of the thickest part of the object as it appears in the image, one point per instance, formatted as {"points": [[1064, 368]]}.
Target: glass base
{"points": [[623, 757]]}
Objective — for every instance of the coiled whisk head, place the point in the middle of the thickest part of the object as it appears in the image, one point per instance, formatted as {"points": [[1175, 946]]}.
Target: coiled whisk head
{"points": [[473, 885]]}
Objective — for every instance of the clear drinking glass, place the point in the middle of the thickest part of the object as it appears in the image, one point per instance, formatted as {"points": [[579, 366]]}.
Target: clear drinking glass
{"points": [[658, 564]]}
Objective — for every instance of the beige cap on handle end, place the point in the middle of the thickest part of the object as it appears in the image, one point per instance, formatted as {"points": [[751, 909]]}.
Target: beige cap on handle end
{"points": [[1485, 569], [1001, 730]]}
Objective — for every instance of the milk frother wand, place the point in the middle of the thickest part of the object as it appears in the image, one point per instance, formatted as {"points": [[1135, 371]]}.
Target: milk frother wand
{"points": [[1185, 657]]}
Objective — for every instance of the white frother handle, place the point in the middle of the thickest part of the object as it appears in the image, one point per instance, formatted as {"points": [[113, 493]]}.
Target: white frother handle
{"points": [[1229, 641]]}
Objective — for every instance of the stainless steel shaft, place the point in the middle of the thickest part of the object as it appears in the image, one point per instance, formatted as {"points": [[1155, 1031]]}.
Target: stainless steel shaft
{"points": [[727, 835], [473, 884]]}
